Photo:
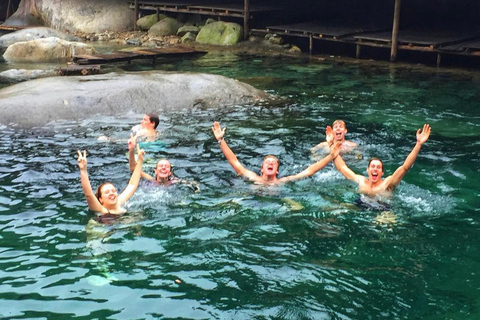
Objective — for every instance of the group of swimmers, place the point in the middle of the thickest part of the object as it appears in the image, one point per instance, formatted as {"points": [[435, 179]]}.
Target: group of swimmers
{"points": [[107, 200]]}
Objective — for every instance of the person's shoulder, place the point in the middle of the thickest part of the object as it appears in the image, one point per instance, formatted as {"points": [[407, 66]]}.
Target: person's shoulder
{"points": [[350, 143]]}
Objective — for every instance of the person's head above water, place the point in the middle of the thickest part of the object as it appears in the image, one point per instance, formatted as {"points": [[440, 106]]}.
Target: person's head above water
{"points": [[339, 130], [270, 166], [163, 170], [150, 121], [107, 194], [375, 169]]}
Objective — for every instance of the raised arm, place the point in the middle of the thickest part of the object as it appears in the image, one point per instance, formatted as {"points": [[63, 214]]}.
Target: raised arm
{"points": [[132, 142], [422, 136], [346, 171], [92, 201], [134, 179], [328, 143], [311, 170], [219, 134]]}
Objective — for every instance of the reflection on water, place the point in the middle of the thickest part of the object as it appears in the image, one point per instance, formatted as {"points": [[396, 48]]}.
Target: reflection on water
{"points": [[299, 251]]}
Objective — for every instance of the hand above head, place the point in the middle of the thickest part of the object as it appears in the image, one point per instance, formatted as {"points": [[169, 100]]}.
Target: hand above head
{"points": [[140, 153], [132, 142], [218, 131], [422, 136], [329, 136], [82, 159]]}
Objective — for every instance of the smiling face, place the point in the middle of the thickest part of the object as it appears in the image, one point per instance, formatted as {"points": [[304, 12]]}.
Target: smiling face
{"points": [[339, 130], [375, 170], [270, 167], [107, 195], [163, 170]]}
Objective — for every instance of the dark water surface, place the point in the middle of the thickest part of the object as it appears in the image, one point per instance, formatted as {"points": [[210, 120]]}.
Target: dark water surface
{"points": [[300, 251]]}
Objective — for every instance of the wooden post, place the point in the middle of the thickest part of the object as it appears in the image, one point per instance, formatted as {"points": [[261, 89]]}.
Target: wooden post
{"points": [[246, 19], [357, 52], [310, 44], [396, 24], [439, 59], [136, 16]]}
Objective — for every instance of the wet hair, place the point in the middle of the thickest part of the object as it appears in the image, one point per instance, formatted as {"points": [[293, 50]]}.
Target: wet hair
{"points": [[154, 118], [372, 159], [340, 121], [98, 193], [271, 156]]}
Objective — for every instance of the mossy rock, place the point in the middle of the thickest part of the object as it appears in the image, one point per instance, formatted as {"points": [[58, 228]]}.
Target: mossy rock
{"points": [[220, 33], [146, 22], [165, 27]]}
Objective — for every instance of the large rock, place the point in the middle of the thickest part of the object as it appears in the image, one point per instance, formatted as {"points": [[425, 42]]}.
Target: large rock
{"points": [[165, 27], [32, 34], [146, 22], [220, 33], [38, 102], [74, 15], [18, 75], [45, 50]]}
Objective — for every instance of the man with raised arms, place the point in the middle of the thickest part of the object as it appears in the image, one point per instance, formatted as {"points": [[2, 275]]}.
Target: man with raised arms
{"points": [[339, 132], [374, 184], [270, 163]]}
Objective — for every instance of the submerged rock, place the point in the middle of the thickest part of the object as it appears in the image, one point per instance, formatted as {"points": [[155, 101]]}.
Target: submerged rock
{"points": [[45, 50], [41, 101]]}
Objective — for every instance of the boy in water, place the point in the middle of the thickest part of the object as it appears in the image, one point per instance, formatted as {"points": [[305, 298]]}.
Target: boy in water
{"points": [[374, 185], [146, 129], [339, 131], [270, 163]]}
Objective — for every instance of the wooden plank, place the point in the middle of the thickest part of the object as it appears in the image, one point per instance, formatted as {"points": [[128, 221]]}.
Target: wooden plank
{"points": [[75, 69], [322, 29]]}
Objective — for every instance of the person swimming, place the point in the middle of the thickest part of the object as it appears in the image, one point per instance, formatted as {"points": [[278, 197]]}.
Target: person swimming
{"points": [[163, 172], [270, 163], [337, 134], [374, 185], [106, 199]]}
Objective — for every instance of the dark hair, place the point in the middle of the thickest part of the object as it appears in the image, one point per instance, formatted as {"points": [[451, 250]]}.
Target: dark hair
{"points": [[372, 159], [154, 118], [98, 193]]}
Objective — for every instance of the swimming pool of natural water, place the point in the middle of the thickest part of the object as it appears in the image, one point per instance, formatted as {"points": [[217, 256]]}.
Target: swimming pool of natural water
{"points": [[236, 251]]}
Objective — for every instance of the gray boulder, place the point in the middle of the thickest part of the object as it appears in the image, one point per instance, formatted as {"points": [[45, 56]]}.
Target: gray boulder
{"points": [[74, 15], [74, 98], [19, 75], [165, 27], [220, 33], [188, 37], [45, 50], [32, 34]]}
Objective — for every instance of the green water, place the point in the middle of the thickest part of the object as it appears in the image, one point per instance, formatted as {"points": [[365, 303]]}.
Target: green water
{"points": [[244, 252]]}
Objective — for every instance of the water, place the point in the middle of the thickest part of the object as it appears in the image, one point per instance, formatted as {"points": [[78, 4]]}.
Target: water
{"points": [[236, 251]]}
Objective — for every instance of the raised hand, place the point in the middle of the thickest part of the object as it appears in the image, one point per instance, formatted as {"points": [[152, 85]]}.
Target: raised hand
{"points": [[335, 149], [218, 131], [132, 142], [329, 136], [82, 159], [422, 136], [140, 153]]}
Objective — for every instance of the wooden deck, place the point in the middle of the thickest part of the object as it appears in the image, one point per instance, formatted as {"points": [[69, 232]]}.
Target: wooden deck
{"points": [[135, 54], [411, 38], [321, 30]]}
